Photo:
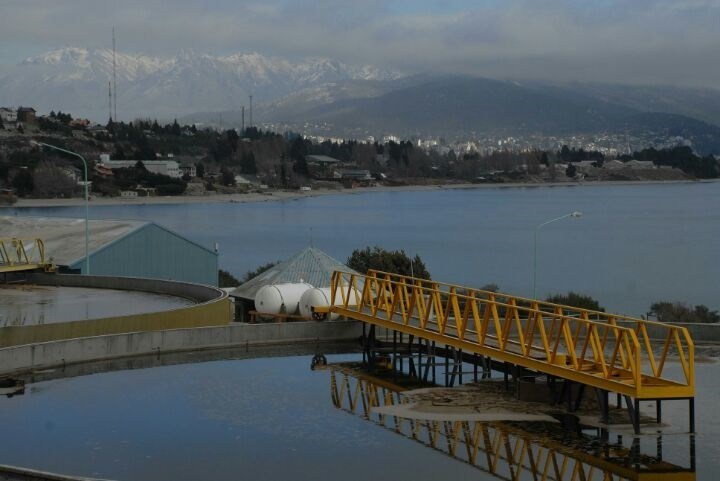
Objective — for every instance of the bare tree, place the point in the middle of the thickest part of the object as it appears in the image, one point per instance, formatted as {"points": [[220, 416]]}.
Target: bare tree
{"points": [[51, 180]]}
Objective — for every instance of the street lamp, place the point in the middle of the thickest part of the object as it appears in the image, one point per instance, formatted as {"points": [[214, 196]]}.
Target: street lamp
{"points": [[87, 197], [575, 214]]}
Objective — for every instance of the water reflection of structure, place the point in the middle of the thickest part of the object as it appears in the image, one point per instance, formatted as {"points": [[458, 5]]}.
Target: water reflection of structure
{"points": [[508, 450]]}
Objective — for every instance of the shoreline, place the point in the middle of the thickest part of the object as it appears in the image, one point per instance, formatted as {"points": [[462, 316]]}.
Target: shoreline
{"points": [[281, 195]]}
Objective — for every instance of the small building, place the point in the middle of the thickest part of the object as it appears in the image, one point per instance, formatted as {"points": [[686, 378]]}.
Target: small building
{"points": [[321, 160], [103, 171], [585, 165], [189, 169], [98, 129], [320, 166], [613, 164], [8, 115], [128, 193], [353, 175], [118, 248], [640, 164], [26, 115], [171, 168], [311, 265], [81, 124], [246, 179]]}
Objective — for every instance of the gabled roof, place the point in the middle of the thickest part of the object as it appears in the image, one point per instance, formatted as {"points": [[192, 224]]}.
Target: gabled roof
{"points": [[310, 265], [64, 238], [321, 159]]}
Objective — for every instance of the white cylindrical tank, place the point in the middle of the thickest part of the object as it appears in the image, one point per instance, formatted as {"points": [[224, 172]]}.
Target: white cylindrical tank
{"points": [[279, 298], [320, 296]]}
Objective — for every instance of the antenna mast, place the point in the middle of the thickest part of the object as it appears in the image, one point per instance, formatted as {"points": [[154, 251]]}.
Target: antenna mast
{"points": [[114, 76], [243, 120], [251, 122], [110, 113]]}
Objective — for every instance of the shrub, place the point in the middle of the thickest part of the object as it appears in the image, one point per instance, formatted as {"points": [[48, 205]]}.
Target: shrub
{"points": [[251, 274], [396, 262], [576, 300], [681, 312], [226, 279]]}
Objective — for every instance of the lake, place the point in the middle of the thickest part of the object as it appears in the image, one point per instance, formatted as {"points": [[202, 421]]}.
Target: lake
{"points": [[633, 245]]}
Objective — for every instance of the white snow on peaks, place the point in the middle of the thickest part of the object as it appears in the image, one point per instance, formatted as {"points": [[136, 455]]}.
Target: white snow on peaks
{"points": [[76, 80]]}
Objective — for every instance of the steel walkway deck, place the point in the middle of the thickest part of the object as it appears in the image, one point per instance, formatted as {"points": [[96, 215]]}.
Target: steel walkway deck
{"points": [[605, 351]]}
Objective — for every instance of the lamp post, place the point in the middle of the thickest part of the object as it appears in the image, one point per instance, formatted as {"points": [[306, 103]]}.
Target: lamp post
{"points": [[575, 214], [87, 197]]}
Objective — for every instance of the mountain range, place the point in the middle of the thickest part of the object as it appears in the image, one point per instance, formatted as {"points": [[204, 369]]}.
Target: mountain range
{"points": [[467, 107], [76, 80], [353, 101]]}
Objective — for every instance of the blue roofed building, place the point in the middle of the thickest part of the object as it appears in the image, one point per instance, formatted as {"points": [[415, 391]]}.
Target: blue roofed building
{"points": [[118, 248]]}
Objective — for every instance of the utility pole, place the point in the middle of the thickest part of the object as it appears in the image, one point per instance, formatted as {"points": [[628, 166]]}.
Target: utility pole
{"points": [[251, 122], [243, 121]]}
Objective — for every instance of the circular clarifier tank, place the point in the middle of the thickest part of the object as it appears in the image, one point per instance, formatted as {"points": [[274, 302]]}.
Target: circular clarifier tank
{"points": [[25, 305]]}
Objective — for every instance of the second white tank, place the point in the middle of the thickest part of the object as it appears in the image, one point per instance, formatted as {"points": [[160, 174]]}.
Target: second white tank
{"points": [[280, 298], [320, 296]]}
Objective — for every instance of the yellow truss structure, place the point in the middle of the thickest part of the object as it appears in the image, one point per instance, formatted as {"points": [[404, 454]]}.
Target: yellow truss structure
{"points": [[606, 351], [22, 255], [505, 450]]}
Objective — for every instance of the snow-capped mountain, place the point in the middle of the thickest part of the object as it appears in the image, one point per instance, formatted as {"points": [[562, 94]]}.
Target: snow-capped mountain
{"points": [[76, 80]]}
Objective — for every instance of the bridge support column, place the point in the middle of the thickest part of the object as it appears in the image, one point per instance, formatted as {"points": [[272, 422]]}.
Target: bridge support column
{"points": [[603, 402], [633, 406], [447, 367], [691, 409], [475, 367]]}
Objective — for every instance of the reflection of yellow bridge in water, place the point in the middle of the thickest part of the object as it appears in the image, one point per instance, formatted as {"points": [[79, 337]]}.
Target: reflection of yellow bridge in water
{"points": [[22, 255], [508, 450], [608, 352]]}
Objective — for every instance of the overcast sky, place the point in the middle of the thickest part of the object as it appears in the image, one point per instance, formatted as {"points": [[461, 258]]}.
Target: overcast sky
{"points": [[624, 41]]}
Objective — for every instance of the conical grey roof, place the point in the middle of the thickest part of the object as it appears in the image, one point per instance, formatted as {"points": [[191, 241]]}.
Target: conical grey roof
{"points": [[311, 265]]}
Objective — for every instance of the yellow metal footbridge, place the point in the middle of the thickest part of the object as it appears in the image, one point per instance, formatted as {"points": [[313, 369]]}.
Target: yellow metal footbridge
{"points": [[609, 352], [23, 255]]}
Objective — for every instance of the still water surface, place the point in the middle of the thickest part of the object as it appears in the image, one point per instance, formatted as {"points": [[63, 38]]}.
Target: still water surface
{"points": [[24, 305], [264, 418], [634, 245]]}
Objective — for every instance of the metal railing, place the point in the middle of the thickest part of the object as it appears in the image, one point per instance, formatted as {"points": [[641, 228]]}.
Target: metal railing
{"points": [[22, 254], [606, 351]]}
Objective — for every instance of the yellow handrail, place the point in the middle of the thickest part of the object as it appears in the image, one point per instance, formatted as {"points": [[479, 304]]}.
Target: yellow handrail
{"points": [[550, 338], [23, 254]]}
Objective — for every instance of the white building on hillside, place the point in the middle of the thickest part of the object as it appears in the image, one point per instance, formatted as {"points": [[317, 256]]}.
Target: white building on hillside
{"points": [[7, 115], [171, 168]]}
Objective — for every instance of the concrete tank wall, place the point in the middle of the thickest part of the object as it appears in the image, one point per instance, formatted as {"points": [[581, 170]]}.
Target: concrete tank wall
{"points": [[213, 309], [14, 360]]}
